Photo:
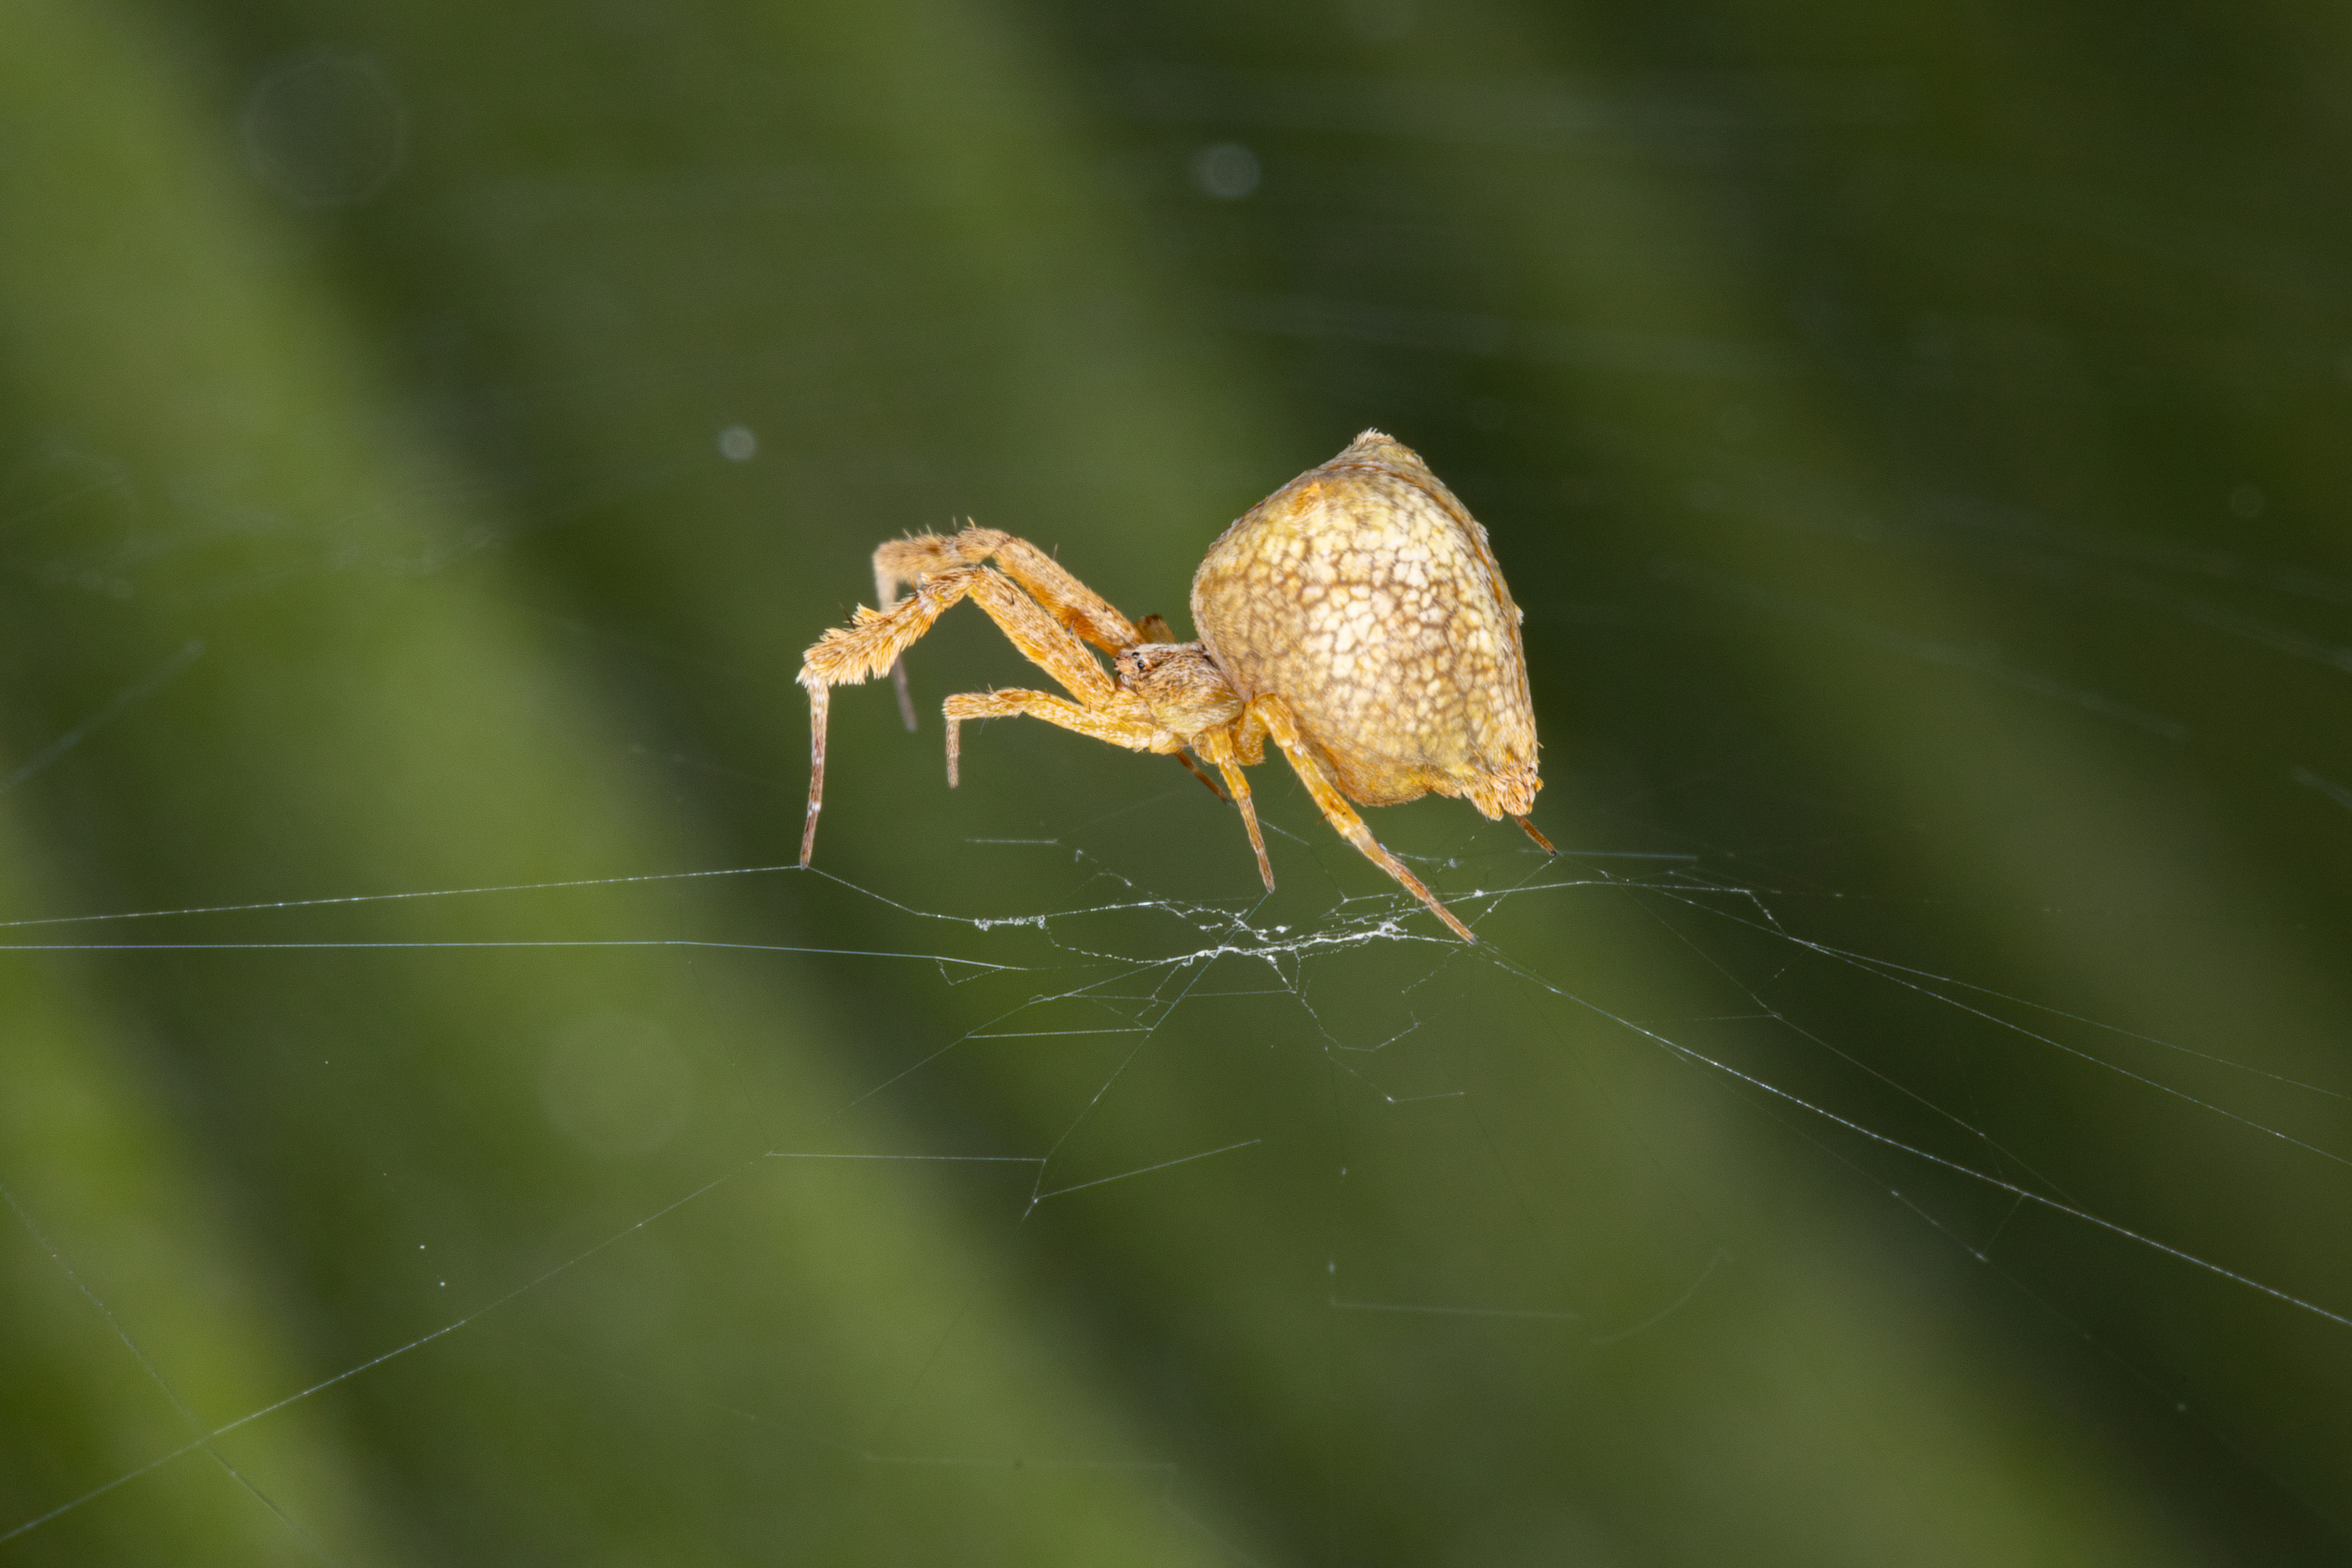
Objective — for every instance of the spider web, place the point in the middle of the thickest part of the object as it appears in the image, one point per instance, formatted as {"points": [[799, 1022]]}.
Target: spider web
{"points": [[1360, 1048]]}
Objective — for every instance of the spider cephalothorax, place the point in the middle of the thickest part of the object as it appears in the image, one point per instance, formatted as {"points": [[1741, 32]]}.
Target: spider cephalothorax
{"points": [[1180, 684], [1356, 617]]}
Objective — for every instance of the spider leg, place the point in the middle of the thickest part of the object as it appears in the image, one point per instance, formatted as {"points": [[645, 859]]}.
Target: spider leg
{"points": [[1217, 746], [1044, 642], [857, 652], [906, 696], [1135, 734], [1283, 725], [905, 560], [1070, 602], [876, 639], [1542, 842], [873, 639], [820, 701], [1246, 736], [1192, 768], [846, 656]]}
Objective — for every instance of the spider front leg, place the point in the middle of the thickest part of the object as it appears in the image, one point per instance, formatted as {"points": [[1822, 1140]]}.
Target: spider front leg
{"points": [[1283, 725], [820, 703], [1135, 734], [875, 639], [846, 656], [1072, 604]]}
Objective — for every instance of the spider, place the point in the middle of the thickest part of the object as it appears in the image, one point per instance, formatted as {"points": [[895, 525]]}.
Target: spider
{"points": [[1356, 616]]}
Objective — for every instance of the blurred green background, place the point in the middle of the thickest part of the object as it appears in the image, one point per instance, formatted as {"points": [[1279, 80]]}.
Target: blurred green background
{"points": [[1908, 1123]]}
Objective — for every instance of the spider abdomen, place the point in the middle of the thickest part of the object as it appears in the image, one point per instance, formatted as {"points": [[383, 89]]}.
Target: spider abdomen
{"points": [[1365, 595]]}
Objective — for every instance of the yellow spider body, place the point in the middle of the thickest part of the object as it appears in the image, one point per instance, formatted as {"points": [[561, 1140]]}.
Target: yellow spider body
{"points": [[1356, 617]]}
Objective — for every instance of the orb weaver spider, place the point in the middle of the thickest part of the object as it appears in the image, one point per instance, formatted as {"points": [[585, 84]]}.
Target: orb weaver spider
{"points": [[1356, 617]]}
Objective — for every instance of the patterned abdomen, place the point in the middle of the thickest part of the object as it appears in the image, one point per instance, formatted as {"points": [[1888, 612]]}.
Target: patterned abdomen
{"points": [[1365, 595]]}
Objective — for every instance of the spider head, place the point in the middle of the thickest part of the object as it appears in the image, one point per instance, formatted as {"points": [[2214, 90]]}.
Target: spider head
{"points": [[1182, 685]]}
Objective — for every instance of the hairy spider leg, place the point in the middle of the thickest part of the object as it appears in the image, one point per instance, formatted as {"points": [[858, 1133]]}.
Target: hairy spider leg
{"points": [[1283, 725], [1135, 734], [1542, 842], [1206, 781], [1217, 746], [1069, 601], [875, 639], [820, 703], [905, 694]]}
